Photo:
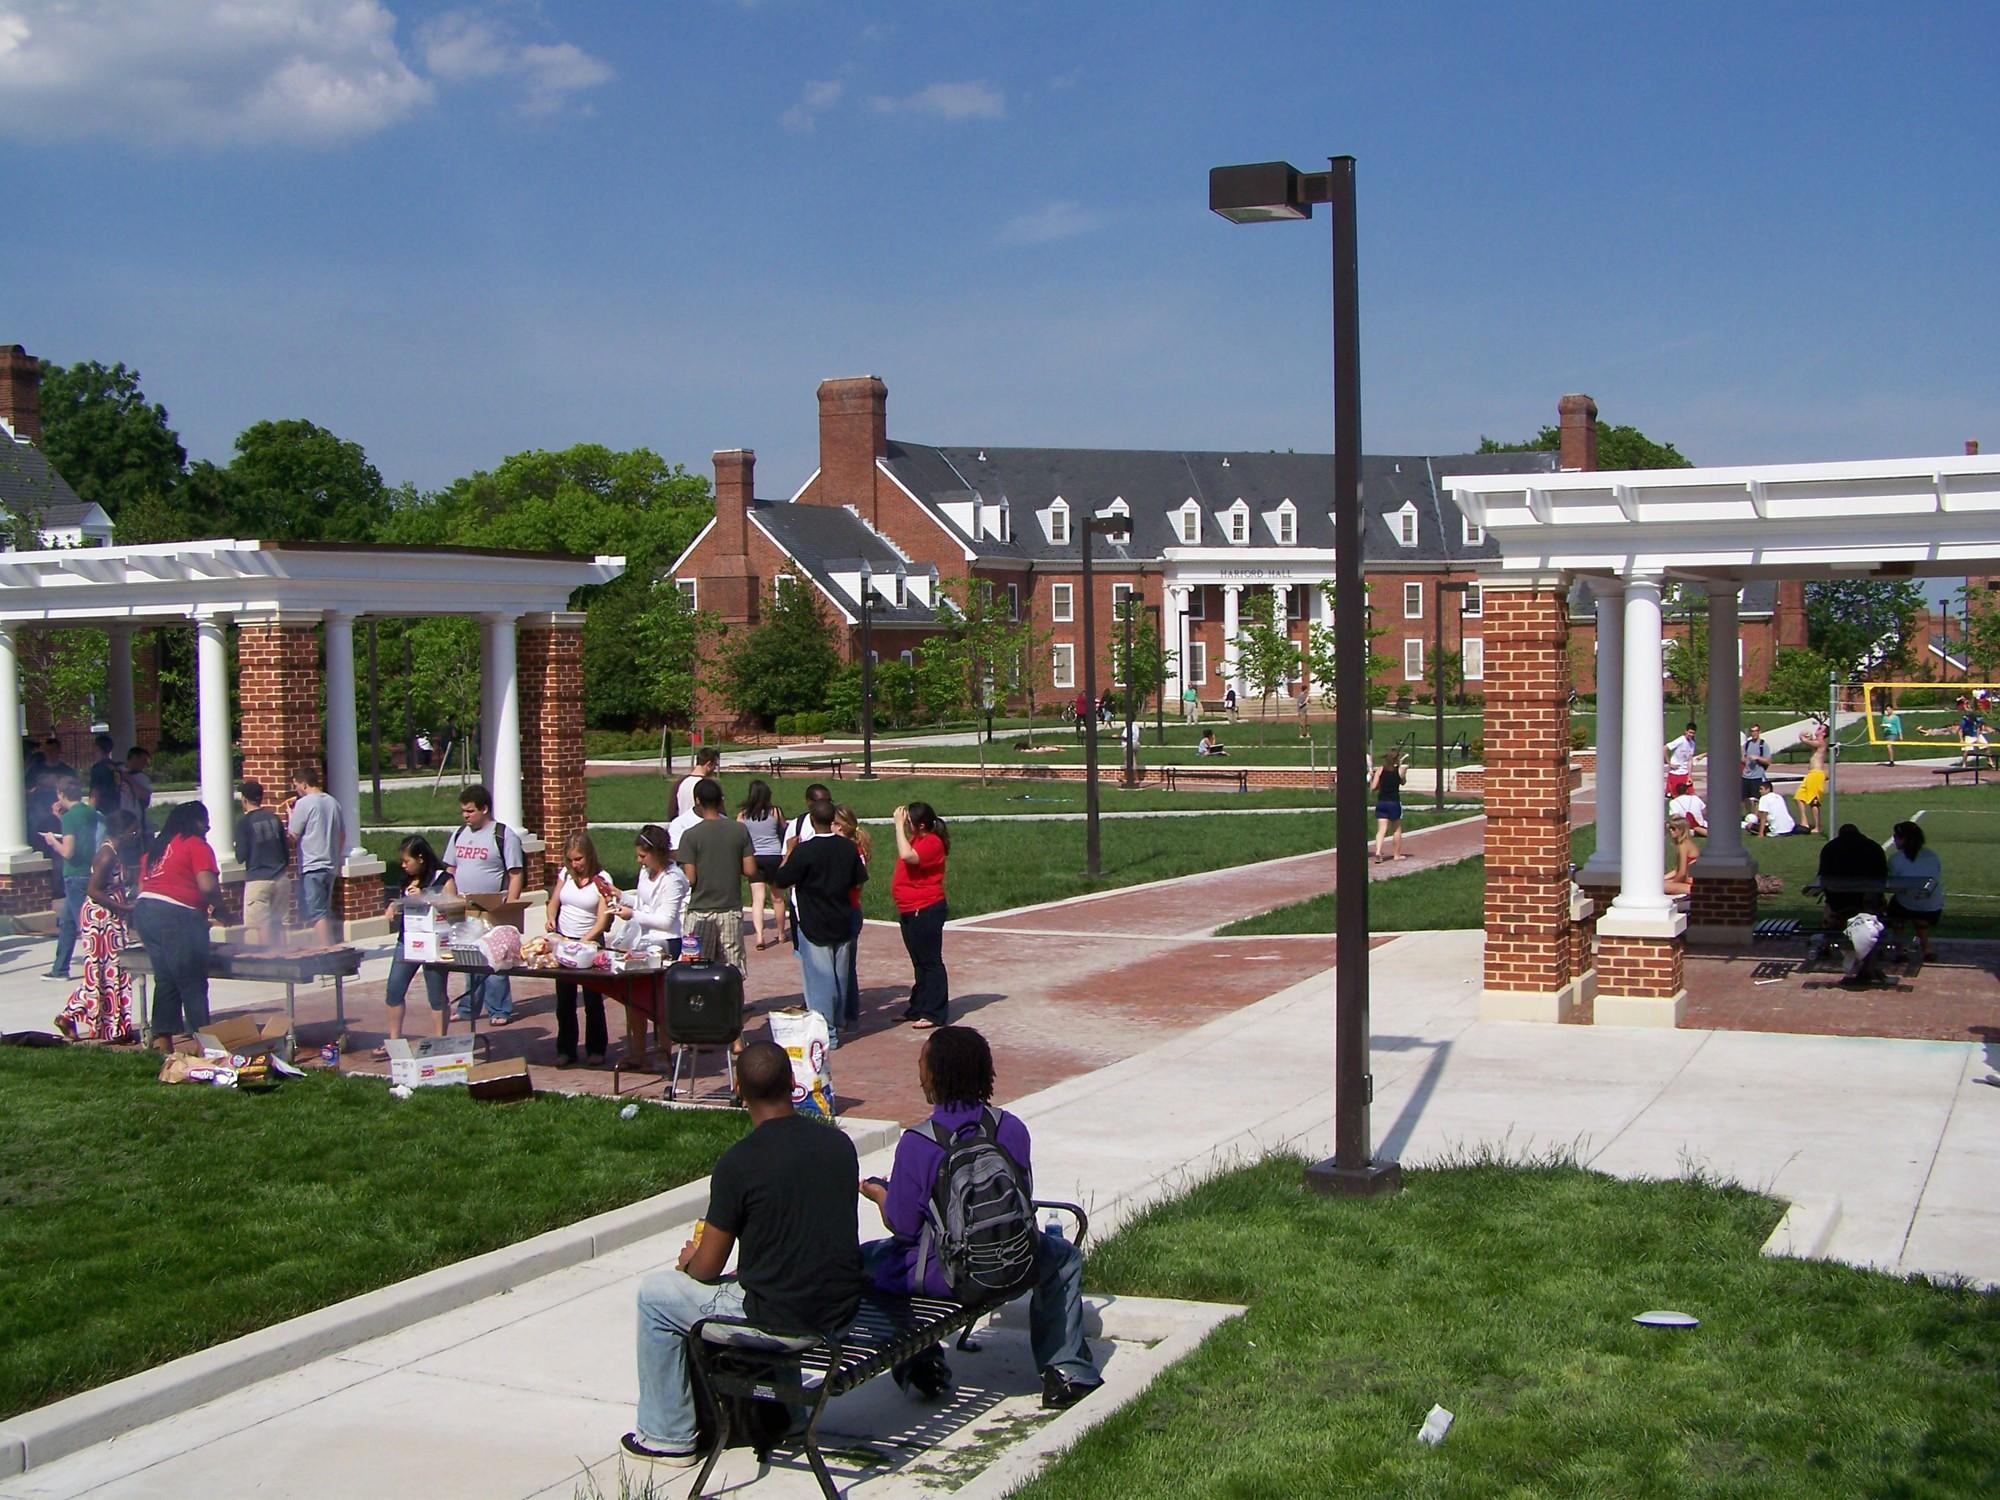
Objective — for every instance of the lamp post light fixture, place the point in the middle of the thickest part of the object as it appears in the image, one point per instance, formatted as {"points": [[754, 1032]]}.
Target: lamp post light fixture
{"points": [[1249, 195], [1109, 527], [867, 673]]}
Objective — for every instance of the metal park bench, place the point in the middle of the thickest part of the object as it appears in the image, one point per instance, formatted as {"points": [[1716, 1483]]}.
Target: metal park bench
{"points": [[732, 1357], [1972, 766], [1207, 773], [830, 764]]}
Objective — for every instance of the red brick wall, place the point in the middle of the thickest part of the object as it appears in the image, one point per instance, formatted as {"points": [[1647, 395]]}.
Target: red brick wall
{"points": [[550, 662], [1527, 784], [1642, 968], [281, 691], [1722, 903], [26, 892]]}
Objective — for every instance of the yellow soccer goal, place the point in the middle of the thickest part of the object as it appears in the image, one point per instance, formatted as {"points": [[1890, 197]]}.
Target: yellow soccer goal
{"points": [[1933, 714]]}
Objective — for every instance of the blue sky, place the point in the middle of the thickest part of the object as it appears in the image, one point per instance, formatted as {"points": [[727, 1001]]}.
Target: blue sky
{"points": [[450, 232]]}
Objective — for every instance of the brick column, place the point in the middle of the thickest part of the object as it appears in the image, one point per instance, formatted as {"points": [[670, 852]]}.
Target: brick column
{"points": [[1528, 942], [550, 662], [1582, 949], [279, 692]]}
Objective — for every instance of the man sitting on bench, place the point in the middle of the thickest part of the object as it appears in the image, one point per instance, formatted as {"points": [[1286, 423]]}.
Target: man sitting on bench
{"points": [[955, 1069], [1852, 872], [783, 1195]]}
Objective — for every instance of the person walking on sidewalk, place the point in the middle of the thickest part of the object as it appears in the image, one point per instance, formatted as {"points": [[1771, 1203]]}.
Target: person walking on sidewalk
{"points": [[765, 821], [827, 874], [73, 845], [485, 859], [917, 885], [1389, 805]]}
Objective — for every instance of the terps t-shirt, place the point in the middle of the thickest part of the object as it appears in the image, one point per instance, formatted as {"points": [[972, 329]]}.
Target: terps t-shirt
{"points": [[478, 862], [786, 1192]]}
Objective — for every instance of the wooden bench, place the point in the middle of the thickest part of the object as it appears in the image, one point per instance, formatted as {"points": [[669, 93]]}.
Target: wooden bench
{"points": [[1207, 773], [830, 764], [1971, 768], [732, 1357]]}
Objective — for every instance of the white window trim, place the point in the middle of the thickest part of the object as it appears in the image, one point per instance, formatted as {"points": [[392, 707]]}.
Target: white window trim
{"points": [[778, 578], [1062, 665], [909, 658], [1413, 646], [1062, 603], [1197, 601], [1284, 520], [1013, 601], [1120, 592], [1475, 601], [1198, 663], [1298, 603], [1059, 527], [1473, 534], [1188, 512], [1472, 653], [1402, 520], [1418, 612], [1237, 515], [899, 594], [692, 588]]}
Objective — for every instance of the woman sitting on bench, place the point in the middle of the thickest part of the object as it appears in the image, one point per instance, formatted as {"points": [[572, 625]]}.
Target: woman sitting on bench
{"points": [[1924, 909]]}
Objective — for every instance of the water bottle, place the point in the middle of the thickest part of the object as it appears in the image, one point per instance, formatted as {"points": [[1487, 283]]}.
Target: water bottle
{"points": [[1053, 1226]]}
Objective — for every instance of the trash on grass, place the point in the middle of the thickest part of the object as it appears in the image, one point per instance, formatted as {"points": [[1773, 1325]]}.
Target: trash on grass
{"points": [[1436, 1425], [629, 1112], [399, 1091], [1663, 1319]]}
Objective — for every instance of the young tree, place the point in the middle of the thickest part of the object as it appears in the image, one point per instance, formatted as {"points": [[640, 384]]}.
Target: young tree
{"points": [[941, 681], [1322, 657], [1981, 645], [670, 632], [1798, 680], [1141, 675], [1856, 622], [895, 691], [64, 670], [1687, 653], [1446, 674], [987, 639], [1265, 657], [782, 666]]}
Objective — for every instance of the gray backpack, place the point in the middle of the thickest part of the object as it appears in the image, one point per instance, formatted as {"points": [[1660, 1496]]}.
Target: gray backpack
{"points": [[980, 1221]]}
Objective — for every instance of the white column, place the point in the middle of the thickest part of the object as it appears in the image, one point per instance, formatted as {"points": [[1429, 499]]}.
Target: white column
{"points": [[1230, 594], [121, 717], [506, 772], [1643, 815], [13, 808], [1725, 854], [1602, 868], [211, 663], [1281, 605], [343, 756], [1176, 596], [489, 703]]}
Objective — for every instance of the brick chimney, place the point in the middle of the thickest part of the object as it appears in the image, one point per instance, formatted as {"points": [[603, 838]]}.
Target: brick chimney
{"points": [[1578, 416], [21, 392], [735, 488], [1972, 447], [853, 433], [1789, 616]]}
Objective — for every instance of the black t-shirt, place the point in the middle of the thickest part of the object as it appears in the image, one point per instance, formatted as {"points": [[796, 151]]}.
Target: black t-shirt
{"points": [[260, 844], [786, 1192], [823, 871]]}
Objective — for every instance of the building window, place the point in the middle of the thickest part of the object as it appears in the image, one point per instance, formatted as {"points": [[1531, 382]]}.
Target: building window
{"points": [[1064, 661], [686, 586], [1189, 523], [1197, 662], [901, 594], [1197, 603], [1062, 608], [1123, 512], [909, 658], [1473, 602], [1286, 523], [1013, 601], [1413, 659], [1474, 653], [1059, 524], [1475, 535], [1413, 601], [1239, 525], [1406, 527], [1121, 595], [779, 583], [1295, 604], [1006, 524]]}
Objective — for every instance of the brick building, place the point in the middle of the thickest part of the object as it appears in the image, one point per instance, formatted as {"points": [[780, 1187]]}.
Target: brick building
{"points": [[1208, 530]]}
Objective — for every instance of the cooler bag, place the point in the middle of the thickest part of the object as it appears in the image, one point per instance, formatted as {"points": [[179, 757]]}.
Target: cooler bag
{"points": [[704, 1004]]}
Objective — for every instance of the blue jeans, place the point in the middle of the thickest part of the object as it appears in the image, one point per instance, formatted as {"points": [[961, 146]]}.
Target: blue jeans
{"points": [[315, 895], [825, 971], [850, 999], [492, 992], [401, 972], [670, 1303], [70, 921]]}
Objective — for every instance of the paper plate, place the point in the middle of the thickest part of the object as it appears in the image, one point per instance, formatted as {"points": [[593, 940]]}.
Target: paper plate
{"points": [[1667, 1320]]}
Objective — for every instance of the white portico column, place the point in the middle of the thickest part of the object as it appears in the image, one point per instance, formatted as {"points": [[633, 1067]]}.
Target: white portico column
{"points": [[119, 717], [1600, 873], [1723, 906], [13, 810], [343, 770], [1231, 594], [1281, 612], [1639, 938], [211, 686], [1171, 625], [506, 739], [489, 705]]}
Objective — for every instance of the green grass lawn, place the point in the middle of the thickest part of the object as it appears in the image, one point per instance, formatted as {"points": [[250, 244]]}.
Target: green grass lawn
{"points": [[1962, 823], [1506, 1295], [140, 1222]]}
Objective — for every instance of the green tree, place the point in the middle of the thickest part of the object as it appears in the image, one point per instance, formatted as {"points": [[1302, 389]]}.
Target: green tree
{"points": [[64, 670], [1265, 657], [1322, 656], [1141, 674], [1981, 645], [1446, 674], [114, 446], [989, 642], [669, 634], [1798, 679], [843, 696], [895, 691], [1617, 448], [1853, 622], [293, 481], [943, 687], [1687, 653], [782, 667]]}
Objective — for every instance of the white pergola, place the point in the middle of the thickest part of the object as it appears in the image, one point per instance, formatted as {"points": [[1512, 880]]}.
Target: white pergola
{"points": [[1630, 532], [211, 584]]}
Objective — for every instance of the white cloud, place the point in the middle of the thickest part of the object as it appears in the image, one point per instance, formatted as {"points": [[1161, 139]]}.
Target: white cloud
{"points": [[463, 46], [976, 100], [209, 71], [1061, 219], [817, 99]]}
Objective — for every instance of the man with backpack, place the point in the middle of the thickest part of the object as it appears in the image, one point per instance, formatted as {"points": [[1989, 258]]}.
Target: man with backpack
{"points": [[958, 1203]]}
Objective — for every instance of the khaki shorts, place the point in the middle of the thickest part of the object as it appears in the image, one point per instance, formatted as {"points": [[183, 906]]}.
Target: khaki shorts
{"points": [[266, 904], [720, 932]]}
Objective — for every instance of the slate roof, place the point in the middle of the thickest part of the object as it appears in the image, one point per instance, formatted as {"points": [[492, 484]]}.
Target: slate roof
{"points": [[29, 484], [827, 539], [1156, 484]]}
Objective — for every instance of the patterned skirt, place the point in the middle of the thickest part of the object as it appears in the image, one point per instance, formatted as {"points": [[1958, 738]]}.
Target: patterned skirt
{"points": [[100, 1010]]}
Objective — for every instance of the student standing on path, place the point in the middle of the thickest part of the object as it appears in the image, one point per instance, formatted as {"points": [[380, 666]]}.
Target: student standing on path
{"points": [[849, 827], [707, 763], [73, 847], [1892, 730], [715, 856], [652, 918], [1756, 767], [922, 845], [423, 875], [765, 821], [1389, 805], [1680, 764], [1191, 705], [580, 909], [264, 850], [315, 827], [100, 1009], [177, 891], [485, 859], [797, 832], [136, 787], [826, 872]]}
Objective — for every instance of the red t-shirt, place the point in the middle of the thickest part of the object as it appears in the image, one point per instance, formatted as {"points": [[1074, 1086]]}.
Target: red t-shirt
{"points": [[173, 874], [916, 888]]}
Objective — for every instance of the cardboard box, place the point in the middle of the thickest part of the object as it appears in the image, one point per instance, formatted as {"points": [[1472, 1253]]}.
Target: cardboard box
{"points": [[499, 911], [429, 1061], [239, 1036], [500, 1080]]}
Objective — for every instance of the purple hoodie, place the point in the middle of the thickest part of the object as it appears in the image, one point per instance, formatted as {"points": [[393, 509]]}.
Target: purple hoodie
{"points": [[910, 1182]]}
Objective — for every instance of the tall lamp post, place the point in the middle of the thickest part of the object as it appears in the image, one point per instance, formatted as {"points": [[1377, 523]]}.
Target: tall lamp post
{"points": [[867, 672], [1249, 195], [1159, 676], [1093, 526], [1437, 671]]}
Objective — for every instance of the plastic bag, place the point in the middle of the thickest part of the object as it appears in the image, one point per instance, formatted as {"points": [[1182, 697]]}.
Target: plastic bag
{"points": [[574, 954], [502, 946], [802, 1033], [1864, 931]]}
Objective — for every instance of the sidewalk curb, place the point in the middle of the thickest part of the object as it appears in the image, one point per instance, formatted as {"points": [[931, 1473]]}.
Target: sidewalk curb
{"points": [[1806, 1229], [35, 1438]]}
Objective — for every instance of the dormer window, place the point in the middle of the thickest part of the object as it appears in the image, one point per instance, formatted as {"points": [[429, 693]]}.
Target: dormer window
{"points": [[901, 594], [1474, 534], [1059, 522], [1404, 522], [1119, 511], [1006, 523], [1187, 523], [1237, 521], [1285, 524]]}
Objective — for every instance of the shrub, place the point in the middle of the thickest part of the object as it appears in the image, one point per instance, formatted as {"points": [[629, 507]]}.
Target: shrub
{"points": [[1579, 737]]}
